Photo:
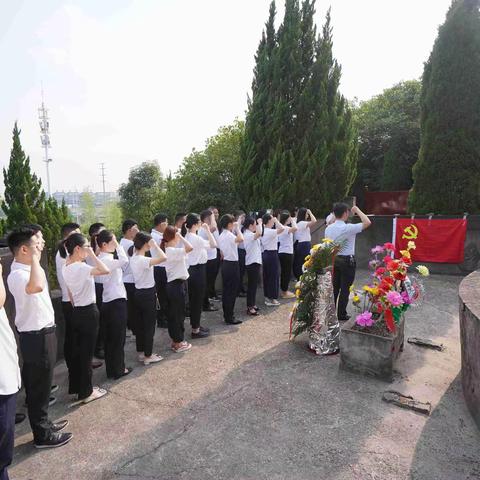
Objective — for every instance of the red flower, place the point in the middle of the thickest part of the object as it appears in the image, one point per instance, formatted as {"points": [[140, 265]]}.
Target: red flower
{"points": [[379, 271], [389, 320], [387, 260], [389, 246], [393, 265], [388, 280], [399, 275], [406, 260]]}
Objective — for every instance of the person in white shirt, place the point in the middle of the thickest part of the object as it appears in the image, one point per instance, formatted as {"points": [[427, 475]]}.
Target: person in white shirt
{"points": [[9, 386], [213, 222], [35, 323], [252, 231], [78, 276], [93, 231], [228, 240], [271, 272], [160, 223], [303, 239], [240, 218], [345, 265], [197, 262], [176, 249], [212, 266], [114, 304], [145, 298], [67, 307], [285, 252], [129, 230]]}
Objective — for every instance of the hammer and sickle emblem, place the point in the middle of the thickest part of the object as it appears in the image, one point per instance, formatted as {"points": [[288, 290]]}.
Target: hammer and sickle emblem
{"points": [[410, 233]]}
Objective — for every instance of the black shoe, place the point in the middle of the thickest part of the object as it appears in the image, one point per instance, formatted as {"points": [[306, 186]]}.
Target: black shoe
{"points": [[96, 364], [216, 298], [125, 373], [200, 334], [19, 418], [56, 427], [210, 308], [162, 324], [234, 321], [242, 294], [53, 388], [344, 319], [204, 329], [55, 440], [187, 313], [52, 401], [100, 354]]}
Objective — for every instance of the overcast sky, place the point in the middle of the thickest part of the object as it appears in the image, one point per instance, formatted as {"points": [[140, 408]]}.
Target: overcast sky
{"points": [[127, 81]]}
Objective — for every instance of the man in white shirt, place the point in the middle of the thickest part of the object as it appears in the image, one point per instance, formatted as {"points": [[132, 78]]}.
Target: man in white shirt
{"points": [[9, 386], [35, 323], [345, 265]]}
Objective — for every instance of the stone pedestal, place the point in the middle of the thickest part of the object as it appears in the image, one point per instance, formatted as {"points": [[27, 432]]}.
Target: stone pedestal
{"points": [[369, 354]]}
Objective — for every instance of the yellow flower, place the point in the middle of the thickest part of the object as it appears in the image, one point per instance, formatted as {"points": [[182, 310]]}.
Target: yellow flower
{"points": [[308, 257], [316, 247], [372, 291], [356, 299], [298, 292], [327, 240], [411, 245], [423, 271], [352, 288], [405, 253]]}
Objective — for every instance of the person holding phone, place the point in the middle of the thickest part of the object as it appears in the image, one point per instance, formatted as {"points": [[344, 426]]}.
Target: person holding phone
{"points": [[303, 239]]}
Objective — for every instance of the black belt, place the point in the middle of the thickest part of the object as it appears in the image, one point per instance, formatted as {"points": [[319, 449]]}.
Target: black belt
{"points": [[197, 266], [346, 256], [43, 331]]}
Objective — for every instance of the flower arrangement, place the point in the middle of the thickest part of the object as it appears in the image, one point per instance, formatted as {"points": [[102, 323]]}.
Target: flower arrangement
{"points": [[391, 292], [320, 259]]}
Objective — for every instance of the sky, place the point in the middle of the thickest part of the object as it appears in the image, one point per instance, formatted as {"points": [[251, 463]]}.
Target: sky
{"points": [[132, 80]]}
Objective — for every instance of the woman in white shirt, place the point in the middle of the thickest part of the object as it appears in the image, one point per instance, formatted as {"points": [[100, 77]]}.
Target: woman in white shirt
{"points": [[285, 252], [303, 239], [228, 240], [176, 249], [271, 272], [145, 296], [114, 304], [197, 270], [252, 231], [78, 277]]}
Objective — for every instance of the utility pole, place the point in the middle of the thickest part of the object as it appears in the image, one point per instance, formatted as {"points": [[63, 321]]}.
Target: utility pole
{"points": [[102, 168], [45, 138]]}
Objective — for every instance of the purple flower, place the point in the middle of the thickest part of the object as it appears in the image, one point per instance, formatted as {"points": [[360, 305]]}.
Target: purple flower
{"points": [[373, 264], [365, 319], [377, 249], [406, 298], [394, 298]]}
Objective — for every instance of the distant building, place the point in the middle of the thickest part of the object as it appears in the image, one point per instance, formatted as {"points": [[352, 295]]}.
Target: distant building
{"points": [[74, 204]]}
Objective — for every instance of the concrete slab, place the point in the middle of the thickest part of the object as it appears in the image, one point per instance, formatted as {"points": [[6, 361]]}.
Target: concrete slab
{"points": [[248, 404]]}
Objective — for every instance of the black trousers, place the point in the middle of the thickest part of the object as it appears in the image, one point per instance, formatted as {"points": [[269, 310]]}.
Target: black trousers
{"points": [[253, 274], [241, 263], [85, 331], [67, 310], [146, 304], [286, 263], [115, 318], [271, 274], [39, 353], [100, 343], [8, 405], [131, 310], [213, 267], [231, 283], [176, 310], [197, 285], [160, 275], [302, 249], [343, 277]]}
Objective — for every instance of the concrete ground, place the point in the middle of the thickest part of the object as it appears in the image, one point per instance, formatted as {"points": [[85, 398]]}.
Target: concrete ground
{"points": [[248, 404]]}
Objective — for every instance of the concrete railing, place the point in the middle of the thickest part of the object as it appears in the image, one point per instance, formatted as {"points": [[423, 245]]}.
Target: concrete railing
{"points": [[470, 342]]}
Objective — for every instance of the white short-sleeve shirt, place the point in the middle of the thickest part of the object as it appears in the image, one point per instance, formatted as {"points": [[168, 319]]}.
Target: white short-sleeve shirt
{"points": [[113, 287], [199, 254], [270, 239], [59, 263], [211, 251], [344, 233], [10, 380], [176, 264], [142, 271], [127, 271], [252, 248], [285, 240], [227, 245], [158, 237], [32, 311], [79, 279], [303, 232]]}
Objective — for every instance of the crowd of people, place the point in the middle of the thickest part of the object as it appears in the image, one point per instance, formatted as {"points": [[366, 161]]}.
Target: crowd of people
{"points": [[111, 289]]}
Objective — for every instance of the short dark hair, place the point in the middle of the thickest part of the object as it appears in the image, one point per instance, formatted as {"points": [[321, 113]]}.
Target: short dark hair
{"points": [[68, 228], [178, 216], [248, 221], [94, 228], [225, 221], [205, 214], [74, 240], [19, 237], [159, 218], [339, 209], [128, 224], [33, 226]]}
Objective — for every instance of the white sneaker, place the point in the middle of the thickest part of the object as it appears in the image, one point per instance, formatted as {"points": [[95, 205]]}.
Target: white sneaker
{"points": [[141, 357], [153, 358], [183, 347], [269, 302], [95, 395], [275, 302], [288, 295]]}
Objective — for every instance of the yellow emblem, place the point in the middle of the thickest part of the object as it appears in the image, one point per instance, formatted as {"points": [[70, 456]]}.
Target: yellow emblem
{"points": [[410, 233]]}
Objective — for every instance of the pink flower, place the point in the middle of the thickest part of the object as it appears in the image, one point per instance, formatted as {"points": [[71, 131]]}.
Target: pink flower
{"points": [[394, 298], [389, 246], [365, 319], [377, 249], [373, 264], [406, 298]]}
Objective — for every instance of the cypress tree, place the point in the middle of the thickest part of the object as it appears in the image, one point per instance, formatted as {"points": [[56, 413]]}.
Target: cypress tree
{"points": [[447, 173]]}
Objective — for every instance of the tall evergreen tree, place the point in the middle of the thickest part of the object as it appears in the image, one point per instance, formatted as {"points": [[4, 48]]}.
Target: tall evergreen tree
{"points": [[447, 174]]}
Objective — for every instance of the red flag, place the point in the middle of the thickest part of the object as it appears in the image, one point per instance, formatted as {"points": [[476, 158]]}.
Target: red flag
{"points": [[437, 240]]}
